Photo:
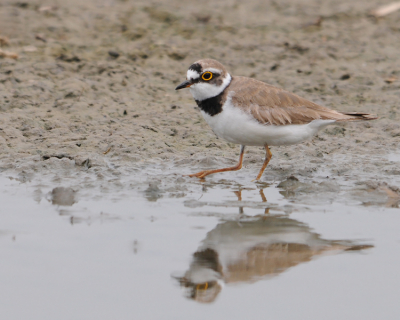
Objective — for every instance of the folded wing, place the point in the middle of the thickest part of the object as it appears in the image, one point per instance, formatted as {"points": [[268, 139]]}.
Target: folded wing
{"points": [[274, 106]]}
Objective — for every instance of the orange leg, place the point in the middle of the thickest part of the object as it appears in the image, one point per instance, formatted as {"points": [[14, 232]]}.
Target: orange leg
{"points": [[264, 199], [268, 157], [204, 173], [238, 194]]}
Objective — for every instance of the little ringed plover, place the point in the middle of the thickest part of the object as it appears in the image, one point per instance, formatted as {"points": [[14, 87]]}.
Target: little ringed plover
{"points": [[249, 112]]}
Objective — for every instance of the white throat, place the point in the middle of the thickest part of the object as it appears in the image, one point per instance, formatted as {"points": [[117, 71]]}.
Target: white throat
{"points": [[203, 90]]}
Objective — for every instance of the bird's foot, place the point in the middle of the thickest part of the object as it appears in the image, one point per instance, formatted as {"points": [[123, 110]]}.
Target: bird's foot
{"points": [[199, 175]]}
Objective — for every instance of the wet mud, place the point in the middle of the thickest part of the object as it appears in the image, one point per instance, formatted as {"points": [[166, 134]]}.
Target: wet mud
{"points": [[93, 85]]}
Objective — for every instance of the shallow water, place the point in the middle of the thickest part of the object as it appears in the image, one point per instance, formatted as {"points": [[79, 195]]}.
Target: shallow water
{"points": [[394, 157], [223, 250]]}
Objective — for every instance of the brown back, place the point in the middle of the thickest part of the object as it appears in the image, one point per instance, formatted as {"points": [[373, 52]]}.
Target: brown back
{"points": [[271, 105]]}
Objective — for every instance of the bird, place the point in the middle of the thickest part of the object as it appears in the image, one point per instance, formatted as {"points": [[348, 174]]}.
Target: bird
{"points": [[249, 112]]}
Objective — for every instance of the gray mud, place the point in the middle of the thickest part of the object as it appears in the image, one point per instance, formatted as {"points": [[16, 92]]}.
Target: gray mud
{"points": [[98, 77]]}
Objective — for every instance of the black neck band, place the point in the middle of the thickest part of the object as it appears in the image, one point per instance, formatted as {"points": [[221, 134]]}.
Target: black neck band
{"points": [[211, 106]]}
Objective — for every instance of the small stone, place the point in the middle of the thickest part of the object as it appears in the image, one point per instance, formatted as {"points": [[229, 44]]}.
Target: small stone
{"points": [[63, 196], [345, 77], [113, 54]]}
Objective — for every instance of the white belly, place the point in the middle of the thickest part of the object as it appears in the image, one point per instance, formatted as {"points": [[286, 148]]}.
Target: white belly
{"points": [[236, 126]]}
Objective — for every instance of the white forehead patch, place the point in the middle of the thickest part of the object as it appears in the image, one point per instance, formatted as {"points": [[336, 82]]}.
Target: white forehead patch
{"points": [[213, 70], [191, 74]]}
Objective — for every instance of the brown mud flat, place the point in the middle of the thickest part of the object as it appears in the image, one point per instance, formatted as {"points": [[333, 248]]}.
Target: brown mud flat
{"points": [[92, 89]]}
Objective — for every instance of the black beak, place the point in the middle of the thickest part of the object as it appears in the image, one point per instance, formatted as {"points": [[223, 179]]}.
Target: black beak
{"points": [[184, 84]]}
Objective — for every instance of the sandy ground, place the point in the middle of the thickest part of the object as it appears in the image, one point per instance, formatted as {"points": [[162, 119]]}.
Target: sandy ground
{"points": [[92, 90]]}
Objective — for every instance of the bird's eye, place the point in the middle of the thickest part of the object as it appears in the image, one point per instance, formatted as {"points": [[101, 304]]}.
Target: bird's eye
{"points": [[207, 76], [203, 286]]}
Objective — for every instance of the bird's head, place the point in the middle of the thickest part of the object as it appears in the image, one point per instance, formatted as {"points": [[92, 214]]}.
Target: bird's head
{"points": [[206, 78]]}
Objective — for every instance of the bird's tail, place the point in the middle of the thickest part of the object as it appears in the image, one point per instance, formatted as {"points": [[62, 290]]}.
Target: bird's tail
{"points": [[358, 116]]}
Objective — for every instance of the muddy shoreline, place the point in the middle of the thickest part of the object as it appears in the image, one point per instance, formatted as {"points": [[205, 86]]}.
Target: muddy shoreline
{"points": [[93, 88]]}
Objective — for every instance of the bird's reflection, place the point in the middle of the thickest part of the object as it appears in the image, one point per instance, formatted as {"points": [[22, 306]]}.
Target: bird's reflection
{"points": [[251, 249], [239, 196]]}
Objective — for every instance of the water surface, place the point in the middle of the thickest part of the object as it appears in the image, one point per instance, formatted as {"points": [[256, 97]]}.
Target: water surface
{"points": [[222, 250]]}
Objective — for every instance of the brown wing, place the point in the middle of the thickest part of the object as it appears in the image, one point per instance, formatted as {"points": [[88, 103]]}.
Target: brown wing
{"points": [[271, 105]]}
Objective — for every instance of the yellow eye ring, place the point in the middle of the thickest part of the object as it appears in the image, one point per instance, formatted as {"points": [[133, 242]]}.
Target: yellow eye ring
{"points": [[203, 286], [206, 76]]}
